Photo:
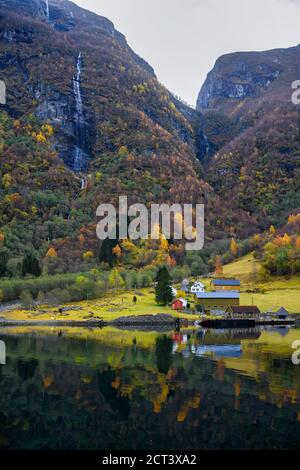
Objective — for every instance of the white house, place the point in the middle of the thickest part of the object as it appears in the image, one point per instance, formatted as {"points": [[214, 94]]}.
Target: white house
{"points": [[185, 285], [197, 287]]}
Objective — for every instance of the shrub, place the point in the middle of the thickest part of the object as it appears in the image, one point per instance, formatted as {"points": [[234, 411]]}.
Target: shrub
{"points": [[26, 299]]}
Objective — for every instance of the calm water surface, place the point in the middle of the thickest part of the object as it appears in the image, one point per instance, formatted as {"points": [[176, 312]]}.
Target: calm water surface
{"points": [[114, 389]]}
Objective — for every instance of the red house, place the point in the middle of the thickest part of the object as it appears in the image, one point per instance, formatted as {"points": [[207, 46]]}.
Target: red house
{"points": [[179, 304]]}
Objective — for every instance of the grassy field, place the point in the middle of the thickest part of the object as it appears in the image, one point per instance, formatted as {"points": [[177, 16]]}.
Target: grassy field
{"points": [[277, 293], [109, 307]]}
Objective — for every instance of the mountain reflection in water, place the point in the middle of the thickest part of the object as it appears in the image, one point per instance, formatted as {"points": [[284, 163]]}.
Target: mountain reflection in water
{"points": [[115, 389]]}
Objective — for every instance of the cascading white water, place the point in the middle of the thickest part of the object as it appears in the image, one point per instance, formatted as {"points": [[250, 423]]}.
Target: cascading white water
{"points": [[83, 183], [77, 91], [47, 10], [207, 146], [80, 156]]}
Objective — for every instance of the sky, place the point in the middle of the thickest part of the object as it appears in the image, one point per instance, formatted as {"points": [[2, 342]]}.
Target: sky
{"points": [[182, 39]]}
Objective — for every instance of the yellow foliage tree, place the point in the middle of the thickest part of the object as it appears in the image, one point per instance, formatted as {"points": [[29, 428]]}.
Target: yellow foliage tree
{"points": [[294, 219], [234, 247], [123, 151], [81, 238], [87, 255], [171, 261], [40, 138], [6, 180], [286, 239], [51, 253], [47, 130], [127, 245], [164, 244], [218, 266], [117, 251], [283, 241]]}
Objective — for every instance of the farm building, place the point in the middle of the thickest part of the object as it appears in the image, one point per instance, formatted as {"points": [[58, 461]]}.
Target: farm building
{"points": [[185, 285], [197, 287], [179, 304], [226, 284], [244, 311], [216, 301], [282, 314]]}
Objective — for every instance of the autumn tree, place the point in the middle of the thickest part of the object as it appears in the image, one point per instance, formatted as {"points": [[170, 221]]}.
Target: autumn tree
{"points": [[51, 253], [87, 255], [117, 251], [115, 280], [218, 266], [234, 247]]}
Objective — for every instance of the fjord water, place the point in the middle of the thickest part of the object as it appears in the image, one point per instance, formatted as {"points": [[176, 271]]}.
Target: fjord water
{"points": [[115, 389]]}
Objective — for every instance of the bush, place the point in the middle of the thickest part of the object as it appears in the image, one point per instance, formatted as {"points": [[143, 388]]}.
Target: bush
{"points": [[13, 288], [26, 299], [58, 296]]}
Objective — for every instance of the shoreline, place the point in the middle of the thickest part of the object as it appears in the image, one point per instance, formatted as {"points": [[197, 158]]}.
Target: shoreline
{"points": [[150, 322]]}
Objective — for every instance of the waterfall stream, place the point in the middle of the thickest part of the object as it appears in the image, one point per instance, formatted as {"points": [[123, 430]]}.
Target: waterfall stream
{"points": [[80, 156], [206, 144], [47, 10], [83, 184]]}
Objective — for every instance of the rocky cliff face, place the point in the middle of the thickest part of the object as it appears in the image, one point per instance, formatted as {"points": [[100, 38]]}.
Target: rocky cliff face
{"points": [[116, 123], [111, 116], [243, 87], [236, 77], [40, 65], [249, 119], [36, 8], [248, 76]]}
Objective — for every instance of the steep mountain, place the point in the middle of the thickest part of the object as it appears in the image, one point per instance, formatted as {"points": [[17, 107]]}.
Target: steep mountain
{"points": [[86, 121], [254, 129], [74, 69], [116, 128]]}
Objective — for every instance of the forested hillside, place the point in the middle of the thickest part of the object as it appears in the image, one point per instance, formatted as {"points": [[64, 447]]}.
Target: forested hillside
{"points": [[87, 120]]}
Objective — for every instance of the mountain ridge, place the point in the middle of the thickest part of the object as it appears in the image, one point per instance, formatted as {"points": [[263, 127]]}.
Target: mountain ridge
{"points": [[121, 132]]}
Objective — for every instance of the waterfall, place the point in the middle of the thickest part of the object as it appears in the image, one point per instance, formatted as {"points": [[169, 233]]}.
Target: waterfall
{"points": [[80, 156], [206, 144], [47, 10], [83, 183], [77, 91]]}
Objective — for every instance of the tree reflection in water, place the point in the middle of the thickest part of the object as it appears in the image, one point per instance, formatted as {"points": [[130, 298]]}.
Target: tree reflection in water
{"points": [[155, 391], [163, 351]]}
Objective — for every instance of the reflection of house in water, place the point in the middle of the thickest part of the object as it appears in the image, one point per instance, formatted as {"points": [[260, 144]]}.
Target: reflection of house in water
{"points": [[282, 330], [225, 350], [2, 353], [219, 343]]}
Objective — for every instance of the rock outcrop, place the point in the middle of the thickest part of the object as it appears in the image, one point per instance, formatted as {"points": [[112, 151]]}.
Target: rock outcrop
{"points": [[243, 75]]}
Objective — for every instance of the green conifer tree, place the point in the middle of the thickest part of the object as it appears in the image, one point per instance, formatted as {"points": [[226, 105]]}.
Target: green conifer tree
{"points": [[163, 291]]}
